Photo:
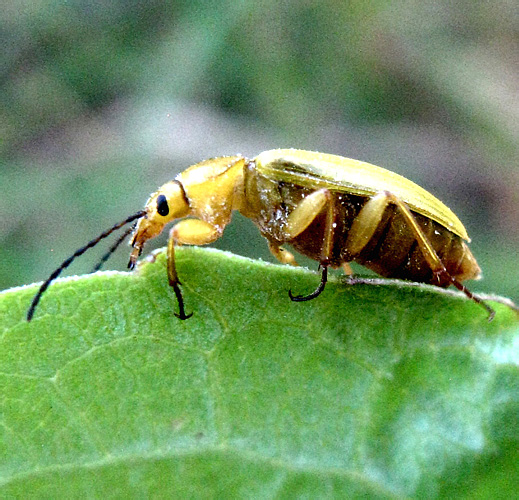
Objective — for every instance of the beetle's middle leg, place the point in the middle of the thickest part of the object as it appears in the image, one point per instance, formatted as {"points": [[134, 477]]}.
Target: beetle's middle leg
{"points": [[187, 232], [366, 223], [281, 254], [300, 218]]}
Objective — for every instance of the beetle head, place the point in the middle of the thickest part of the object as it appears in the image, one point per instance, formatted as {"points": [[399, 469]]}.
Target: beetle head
{"points": [[165, 205]]}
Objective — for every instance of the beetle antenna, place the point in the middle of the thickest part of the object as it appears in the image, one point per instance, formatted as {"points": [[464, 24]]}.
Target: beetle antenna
{"points": [[113, 248], [77, 253]]}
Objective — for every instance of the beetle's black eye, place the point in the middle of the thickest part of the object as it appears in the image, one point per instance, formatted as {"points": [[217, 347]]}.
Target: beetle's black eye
{"points": [[162, 205]]}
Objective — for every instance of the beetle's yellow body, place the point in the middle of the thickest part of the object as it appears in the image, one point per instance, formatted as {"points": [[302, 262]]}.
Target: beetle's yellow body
{"points": [[330, 208], [345, 175], [333, 209]]}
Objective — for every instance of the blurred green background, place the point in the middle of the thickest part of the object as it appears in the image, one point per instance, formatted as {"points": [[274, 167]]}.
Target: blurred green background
{"points": [[103, 101]]}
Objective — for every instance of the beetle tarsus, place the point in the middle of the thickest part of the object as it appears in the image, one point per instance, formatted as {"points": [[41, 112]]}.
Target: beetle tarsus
{"points": [[182, 313], [316, 292], [475, 298], [491, 312]]}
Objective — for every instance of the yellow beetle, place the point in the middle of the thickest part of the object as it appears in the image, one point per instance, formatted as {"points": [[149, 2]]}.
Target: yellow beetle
{"points": [[335, 210]]}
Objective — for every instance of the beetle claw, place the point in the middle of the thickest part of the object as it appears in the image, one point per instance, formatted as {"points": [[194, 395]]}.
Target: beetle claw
{"points": [[316, 292], [178, 293], [183, 315]]}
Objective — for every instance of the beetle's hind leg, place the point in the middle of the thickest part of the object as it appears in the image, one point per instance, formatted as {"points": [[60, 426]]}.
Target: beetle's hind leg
{"points": [[346, 269], [431, 256], [366, 223]]}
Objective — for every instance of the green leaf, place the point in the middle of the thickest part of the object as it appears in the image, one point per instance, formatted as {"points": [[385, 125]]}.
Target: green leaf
{"points": [[374, 391]]}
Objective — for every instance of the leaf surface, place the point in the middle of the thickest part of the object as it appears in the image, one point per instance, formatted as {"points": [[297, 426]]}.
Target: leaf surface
{"points": [[379, 391]]}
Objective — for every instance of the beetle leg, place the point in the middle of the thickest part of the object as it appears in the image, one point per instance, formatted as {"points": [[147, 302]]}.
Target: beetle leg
{"points": [[316, 292], [346, 269], [174, 281], [365, 223], [431, 256], [300, 218], [305, 213], [369, 217], [329, 230], [187, 232], [281, 254]]}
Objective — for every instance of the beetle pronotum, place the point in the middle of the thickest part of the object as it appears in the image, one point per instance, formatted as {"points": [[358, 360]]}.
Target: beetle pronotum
{"points": [[332, 209]]}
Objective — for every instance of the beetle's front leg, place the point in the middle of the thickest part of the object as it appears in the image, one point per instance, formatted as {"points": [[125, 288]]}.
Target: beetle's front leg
{"points": [[187, 232]]}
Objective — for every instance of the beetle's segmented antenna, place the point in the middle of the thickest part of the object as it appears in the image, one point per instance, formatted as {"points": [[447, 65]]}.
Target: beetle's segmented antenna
{"points": [[113, 248], [77, 253]]}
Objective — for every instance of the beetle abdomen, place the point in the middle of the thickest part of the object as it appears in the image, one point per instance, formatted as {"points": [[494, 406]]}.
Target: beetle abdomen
{"points": [[393, 250]]}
